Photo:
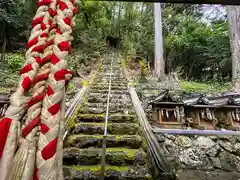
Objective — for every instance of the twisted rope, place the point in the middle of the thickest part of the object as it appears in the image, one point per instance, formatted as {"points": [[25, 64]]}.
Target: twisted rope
{"points": [[24, 159], [10, 125], [49, 153]]}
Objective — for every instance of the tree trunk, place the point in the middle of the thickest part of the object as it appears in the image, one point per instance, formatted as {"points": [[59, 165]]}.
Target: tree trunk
{"points": [[119, 19], [233, 13], [159, 64], [4, 42]]}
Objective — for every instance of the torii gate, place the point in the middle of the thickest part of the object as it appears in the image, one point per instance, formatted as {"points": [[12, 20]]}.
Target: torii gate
{"points": [[40, 92]]}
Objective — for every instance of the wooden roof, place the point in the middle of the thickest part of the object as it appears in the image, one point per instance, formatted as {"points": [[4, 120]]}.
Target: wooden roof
{"points": [[165, 97], [223, 2], [228, 100], [197, 99]]}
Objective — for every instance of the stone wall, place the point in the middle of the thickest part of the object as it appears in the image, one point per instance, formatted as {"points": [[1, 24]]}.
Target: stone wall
{"points": [[211, 156]]}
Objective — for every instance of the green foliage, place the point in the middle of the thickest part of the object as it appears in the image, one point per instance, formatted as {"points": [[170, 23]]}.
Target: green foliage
{"points": [[199, 51], [143, 67], [15, 61], [197, 47], [14, 22], [189, 86], [9, 70]]}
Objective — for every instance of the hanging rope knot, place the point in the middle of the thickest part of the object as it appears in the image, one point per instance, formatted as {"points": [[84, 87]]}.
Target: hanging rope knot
{"points": [[38, 60], [52, 12], [26, 84], [53, 26], [64, 46], [36, 21], [44, 2], [43, 26], [5, 124], [75, 10], [26, 69], [50, 150], [40, 77], [32, 42], [46, 59], [63, 74], [28, 128], [49, 43], [44, 35], [36, 99], [58, 31], [62, 5], [67, 21], [38, 49]]}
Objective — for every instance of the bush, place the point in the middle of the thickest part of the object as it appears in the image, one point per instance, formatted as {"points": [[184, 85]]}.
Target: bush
{"points": [[15, 61]]}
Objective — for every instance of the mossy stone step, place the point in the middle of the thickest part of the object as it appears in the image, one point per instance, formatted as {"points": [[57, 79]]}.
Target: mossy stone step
{"points": [[114, 156], [122, 83], [90, 110], [111, 173], [114, 118], [112, 128], [112, 106], [107, 76], [101, 81], [102, 91], [114, 99], [106, 86], [86, 141]]}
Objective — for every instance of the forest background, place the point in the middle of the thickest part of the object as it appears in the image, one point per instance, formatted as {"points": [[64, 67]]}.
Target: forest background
{"points": [[196, 38]]}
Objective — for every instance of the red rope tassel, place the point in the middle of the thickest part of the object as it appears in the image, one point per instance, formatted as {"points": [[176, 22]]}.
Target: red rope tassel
{"points": [[4, 129]]}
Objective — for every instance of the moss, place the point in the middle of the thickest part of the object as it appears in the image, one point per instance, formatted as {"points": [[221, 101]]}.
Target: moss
{"points": [[132, 84], [144, 144], [149, 177], [118, 138], [87, 168], [143, 67], [117, 168], [88, 116], [98, 168], [84, 83], [84, 141], [70, 86], [72, 120]]}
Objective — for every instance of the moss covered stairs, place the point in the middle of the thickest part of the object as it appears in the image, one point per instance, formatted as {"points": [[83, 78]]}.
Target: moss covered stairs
{"points": [[126, 153]]}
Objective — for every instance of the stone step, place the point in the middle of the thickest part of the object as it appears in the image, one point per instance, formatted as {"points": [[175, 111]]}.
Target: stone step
{"points": [[113, 84], [112, 118], [115, 98], [108, 74], [111, 173], [114, 156], [106, 86], [105, 91], [90, 110], [112, 106], [87, 141], [100, 81], [112, 77], [112, 128]]}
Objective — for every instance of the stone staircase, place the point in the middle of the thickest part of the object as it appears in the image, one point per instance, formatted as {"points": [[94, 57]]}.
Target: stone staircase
{"points": [[126, 153]]}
